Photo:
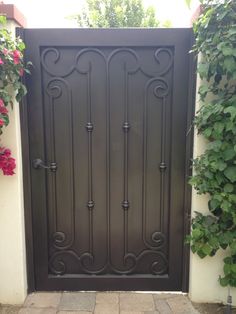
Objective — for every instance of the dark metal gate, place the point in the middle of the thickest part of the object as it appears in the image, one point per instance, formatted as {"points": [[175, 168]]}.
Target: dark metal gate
{"points": [[107, 122]]}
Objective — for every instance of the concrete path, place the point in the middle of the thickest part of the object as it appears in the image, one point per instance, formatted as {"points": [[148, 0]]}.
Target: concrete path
{"points": [[105, 303]]}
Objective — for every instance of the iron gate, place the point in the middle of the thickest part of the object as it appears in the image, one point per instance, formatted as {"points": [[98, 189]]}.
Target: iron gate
{"points": [[107, 122]]}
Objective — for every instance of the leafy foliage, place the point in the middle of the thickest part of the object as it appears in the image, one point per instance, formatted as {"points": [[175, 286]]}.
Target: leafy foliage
{"points": [[215, 170], [11, 70], [117, 13], [188, 3]]}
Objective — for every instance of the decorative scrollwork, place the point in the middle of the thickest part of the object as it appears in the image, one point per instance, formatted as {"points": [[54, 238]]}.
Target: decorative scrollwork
{"points": [[56, 264], [161, 90], [87, 61], [169, 64], [86, 261], [54, 87], [164, 66], [130, 262], [160, 265], [129, 60], [59, 238], [159, 239], [133, 67], [55, 57], [51, 56]]}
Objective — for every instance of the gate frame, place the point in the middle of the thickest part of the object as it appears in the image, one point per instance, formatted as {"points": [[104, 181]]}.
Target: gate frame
{"points": [[30, 266]]}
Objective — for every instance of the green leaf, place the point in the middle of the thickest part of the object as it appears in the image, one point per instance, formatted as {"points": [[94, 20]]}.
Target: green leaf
{"points": [[233, 247], [203, 89], [207, 132], [227, 51], [21, 46], [224, 281], [227, 269], [213, 204], [206, 249], [231, 110], [230, 173], [3, 19], [228, 260], [196, 233], [229, 63], [232, 197], [216, 145], [221, 165], [232, 31], [228, 188], [214, 242], [201, 254], [188, 3], [229, 154], [233, 268], [219, 127]]}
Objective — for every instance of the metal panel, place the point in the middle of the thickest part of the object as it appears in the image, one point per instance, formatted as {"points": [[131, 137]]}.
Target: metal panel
{"points": [[107, 115]]}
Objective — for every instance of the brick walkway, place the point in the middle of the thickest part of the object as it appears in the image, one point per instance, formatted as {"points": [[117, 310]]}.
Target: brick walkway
{"points": [[105, 303]]}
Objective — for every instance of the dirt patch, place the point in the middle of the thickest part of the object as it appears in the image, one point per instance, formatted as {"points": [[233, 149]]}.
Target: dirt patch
{"points": [[10, 309], [209, 308]]}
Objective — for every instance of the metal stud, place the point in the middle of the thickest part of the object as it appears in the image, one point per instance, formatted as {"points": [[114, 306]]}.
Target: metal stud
{"points": [[89, 127], [125, 205]]}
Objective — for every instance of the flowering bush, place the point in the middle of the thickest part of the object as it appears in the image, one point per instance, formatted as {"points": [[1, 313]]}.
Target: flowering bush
{"points": [[11, 87]]}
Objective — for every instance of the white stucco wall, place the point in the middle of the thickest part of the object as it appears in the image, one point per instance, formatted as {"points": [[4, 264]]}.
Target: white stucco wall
{"points": [[204, 273], [13, 283]]}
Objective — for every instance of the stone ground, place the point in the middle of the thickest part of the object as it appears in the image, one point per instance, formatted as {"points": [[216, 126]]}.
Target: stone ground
{"points": [[110, 303]]}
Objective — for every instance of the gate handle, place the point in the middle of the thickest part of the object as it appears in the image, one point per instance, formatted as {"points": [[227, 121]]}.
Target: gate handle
{"points": [[38, 164]]}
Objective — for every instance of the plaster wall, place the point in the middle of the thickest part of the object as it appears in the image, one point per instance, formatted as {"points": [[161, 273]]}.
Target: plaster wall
{"points": [[204, 273], [13, 283]]}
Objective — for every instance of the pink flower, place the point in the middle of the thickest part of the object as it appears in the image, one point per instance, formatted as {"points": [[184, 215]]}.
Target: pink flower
{"points": [[5, 51], [16, 60], [2, 122], [3, 110], [1, 103], [1, 62], [16, 54], [21, 72], [7, 152], [7, 163]]}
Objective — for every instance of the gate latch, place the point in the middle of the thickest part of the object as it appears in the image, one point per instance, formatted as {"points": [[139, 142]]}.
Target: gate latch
{"points": [[38, 164]]}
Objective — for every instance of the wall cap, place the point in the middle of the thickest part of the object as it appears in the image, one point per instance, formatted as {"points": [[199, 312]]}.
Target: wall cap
{"points": [[12, 13]]}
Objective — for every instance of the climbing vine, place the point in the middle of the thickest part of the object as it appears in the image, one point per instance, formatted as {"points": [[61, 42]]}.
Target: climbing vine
{"points": [[215, 170], [11, 87]]}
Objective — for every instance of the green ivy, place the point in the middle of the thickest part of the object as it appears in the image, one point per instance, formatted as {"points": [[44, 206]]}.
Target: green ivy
{"points": [[215, 170]]}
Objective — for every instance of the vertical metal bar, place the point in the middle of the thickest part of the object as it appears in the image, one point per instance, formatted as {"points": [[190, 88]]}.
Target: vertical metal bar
{"points": [[126, 127], [108, 163], [162, 165], [89, 127]]}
